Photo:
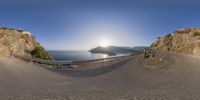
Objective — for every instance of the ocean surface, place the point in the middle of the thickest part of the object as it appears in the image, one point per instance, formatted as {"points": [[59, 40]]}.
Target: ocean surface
{"points": [[75, 55]]}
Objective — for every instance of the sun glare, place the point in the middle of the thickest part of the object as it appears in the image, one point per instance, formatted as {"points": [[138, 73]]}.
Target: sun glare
{"points": [[104, 43]]}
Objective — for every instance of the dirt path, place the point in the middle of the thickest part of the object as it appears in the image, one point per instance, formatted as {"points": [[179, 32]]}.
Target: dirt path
{"points": [[127, 80]]}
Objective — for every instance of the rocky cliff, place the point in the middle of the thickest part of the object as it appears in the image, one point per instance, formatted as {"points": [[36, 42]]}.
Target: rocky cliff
{"points": [[182, 40], [17, 42]]}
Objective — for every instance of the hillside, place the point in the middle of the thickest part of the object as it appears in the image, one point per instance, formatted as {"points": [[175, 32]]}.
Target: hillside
{"points": [[20, 42], [112, 49], [181, 41]]}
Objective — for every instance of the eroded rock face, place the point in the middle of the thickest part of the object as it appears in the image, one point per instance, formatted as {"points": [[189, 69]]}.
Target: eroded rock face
{"points": [[183, 40], [14, 42], [153, 59], [196, 51]]}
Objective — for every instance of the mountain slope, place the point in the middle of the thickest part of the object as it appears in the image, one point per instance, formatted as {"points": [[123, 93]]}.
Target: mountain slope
{"points": [[182, 41], [20, 42]]}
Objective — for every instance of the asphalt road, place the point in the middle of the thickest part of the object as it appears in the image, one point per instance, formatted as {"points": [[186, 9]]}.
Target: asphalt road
{"points": [[126, 80]]}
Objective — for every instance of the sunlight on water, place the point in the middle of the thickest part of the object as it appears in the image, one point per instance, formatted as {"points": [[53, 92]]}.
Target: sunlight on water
{"points": [[75, 55]]}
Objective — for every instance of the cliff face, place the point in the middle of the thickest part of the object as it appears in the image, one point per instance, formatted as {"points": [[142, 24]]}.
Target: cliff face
{"points": [[17, 42], [183, 40]]}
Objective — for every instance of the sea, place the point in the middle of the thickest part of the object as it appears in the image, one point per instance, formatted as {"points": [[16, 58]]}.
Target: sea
{"points": [[76, 55]]}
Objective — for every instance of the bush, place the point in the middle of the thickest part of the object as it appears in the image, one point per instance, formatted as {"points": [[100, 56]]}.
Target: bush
{"points": [[168, 35], [20, 30], [39, 52], [154, 45], [183, 31], [196, 34], [6, 28]]}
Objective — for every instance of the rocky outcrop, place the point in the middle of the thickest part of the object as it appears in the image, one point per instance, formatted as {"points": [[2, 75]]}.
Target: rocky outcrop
{"points": [[153, 59], [183, 41], [17, 42]]}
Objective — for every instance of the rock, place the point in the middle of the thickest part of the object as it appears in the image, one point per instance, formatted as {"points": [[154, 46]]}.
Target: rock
{"points": [[153, 59], [196, 51], [181, 41], [16, 42]]}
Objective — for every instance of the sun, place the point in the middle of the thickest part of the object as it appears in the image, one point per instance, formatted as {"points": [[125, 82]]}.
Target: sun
{"points": [[104, 43]]}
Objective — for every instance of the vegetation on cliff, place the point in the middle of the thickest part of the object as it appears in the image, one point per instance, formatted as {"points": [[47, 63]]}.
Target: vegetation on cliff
{"points": [[7, 28], [20, 42], [39, 52]]}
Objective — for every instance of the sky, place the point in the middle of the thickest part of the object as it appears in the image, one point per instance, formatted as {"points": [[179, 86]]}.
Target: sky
{"points": [[85, 24]]}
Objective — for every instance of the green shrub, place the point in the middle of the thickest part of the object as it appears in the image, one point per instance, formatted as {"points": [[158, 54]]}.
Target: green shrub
{"points": [[196, 34], [6, 28], [154, 45], [168, 35], [184, 31], [39, 52], [20, 30]]}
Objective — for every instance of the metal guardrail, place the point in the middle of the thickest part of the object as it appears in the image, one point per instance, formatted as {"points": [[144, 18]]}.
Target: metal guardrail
{"points": [[37, 60], [100, 60], [69, 62]]}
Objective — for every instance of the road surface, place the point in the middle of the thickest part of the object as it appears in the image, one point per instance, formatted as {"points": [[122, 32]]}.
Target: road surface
{"points": [[126, 80]]}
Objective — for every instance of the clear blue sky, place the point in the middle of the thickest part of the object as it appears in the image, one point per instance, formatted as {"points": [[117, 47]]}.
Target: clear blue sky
{"points": [[82, 24]]}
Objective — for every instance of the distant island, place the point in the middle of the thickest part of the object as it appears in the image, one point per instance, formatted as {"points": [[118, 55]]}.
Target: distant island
{"points": [[114, 50]]}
